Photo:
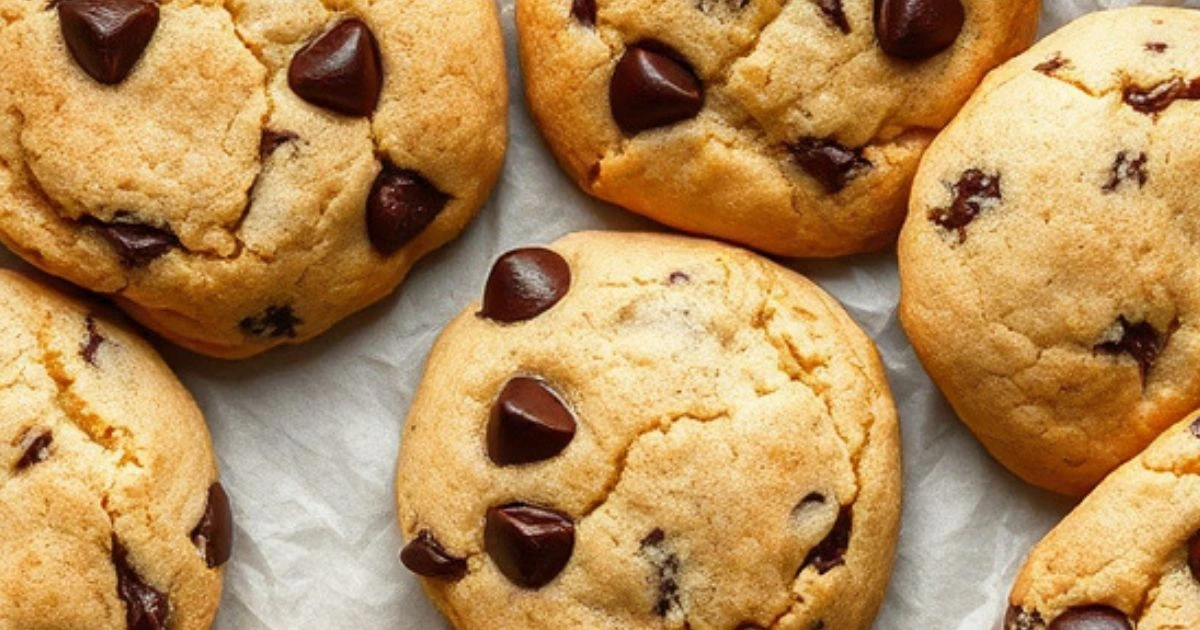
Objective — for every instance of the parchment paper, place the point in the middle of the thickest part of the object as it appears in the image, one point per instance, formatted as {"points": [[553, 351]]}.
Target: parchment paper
{"points": [[307, 437]]}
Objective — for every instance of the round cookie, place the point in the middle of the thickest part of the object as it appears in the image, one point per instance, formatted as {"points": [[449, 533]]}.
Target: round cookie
{"points": [[1048, 272], [791, 127], [1129, 555], [245, 173], [647, 431], [109, 502]]}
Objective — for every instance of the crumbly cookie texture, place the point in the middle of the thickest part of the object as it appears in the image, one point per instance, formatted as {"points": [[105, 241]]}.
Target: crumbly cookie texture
{"points": [[1047, 265], [791, 127], [109, 502], [649, 431], [1129, 555], [239, 174]]}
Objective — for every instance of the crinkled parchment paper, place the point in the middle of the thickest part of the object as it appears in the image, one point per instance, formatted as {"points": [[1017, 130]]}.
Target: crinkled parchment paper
{"points": [[307, 436]]}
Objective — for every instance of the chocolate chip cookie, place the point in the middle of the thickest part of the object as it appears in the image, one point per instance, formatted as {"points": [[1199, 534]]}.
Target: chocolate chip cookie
{"points": [[111, 513], [792, 127], [648, 431], [1129, 555], [1047, 262], [243, 174]]}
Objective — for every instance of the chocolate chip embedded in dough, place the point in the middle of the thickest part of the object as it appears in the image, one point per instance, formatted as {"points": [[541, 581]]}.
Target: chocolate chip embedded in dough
{"points": [[107, 37], [340, 70]]}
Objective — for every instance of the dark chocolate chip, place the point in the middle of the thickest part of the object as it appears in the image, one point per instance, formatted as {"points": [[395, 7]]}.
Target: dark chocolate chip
{"points": [[1193, 555], [529, 423], [831, 551], [652, 87], [340, 70], [213, 535], [1052, 65], [584, 12], [1141, 341], [107, 37], [426, 557], [92, 345], [1156, 47], [972, 193], [271, 141], [666, 564], [1195, 427], [833, 13], [1092, 618], [917, 29], [524, 283], [146, 608], [829, 162], [402, 204], [37, 447], [1018, 618], [1156, 98], [678, 277], [530, 545], [273, 323], [1128, 166], [137, 244]]}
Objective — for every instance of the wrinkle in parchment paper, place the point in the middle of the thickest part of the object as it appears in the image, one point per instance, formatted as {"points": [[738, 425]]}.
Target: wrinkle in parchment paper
{"points": [[307, 436]]}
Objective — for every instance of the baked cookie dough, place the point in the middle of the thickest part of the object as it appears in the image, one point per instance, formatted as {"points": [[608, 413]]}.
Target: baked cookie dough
{"points": [[111, 513], [239, 174], [1129, 555], [1048, 272], [648, 431], [791, 127]]}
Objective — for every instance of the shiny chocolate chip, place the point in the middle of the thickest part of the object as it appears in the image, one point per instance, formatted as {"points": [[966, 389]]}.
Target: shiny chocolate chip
{"points": [[1092, 618], [340, 70], [401, 205], [917, 29], [426, 557], [529, 544], [92, 344], [652, 87], [107, 37], [36, 443], [1141, 341], [529, 423], [137, 245], [829, 162], [1157, 98], [146, 608], [524, 283], [273, 323], [213, 535], [974, 192], [584, 12], [831, 551]]}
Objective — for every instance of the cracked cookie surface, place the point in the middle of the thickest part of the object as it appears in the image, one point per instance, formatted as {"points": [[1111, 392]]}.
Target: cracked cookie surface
{"points": [[109, 501], [259, 158], [708, 442], [783, 125], [1047, 272], [1129, 555]]}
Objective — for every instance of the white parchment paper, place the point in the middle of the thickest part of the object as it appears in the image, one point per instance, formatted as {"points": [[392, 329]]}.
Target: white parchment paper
{"points": [[307, 437]]}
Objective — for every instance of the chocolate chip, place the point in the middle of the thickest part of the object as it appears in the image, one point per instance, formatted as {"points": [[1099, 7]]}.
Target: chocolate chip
{"points": [[137, 244], [1142, 341], [1159, 97], [425, 556], [94, 340], [1193, 555], [1156, 47], [529, 423], [530, 545], [1052, 65], [834, 14], [831, 551], [1128, 166], [271, 141], [340, 70], [213, 535], [402, 204], [36, 443], [584, 12], [666, 564], [973, 193], [146, 608], [653, 87], [273, 323], [1018, 618], [1092, 618], [524, 283], [678, 277], [107, 37], [829, 162], [1195, 427], [917, 29]]}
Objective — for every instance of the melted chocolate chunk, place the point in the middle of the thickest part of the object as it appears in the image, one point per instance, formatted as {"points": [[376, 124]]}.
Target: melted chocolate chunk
{"points": [[1018, 618], [529, 423], [137, 244], [401, 205], [653, 87], [272, 140], [92, 344], [426, 557], [340, 70], [273, 323], [1156, 47], [529, 544], [666, 564], [107, 37], [834, 15], [213, 535], [1141, 341], [829, 162], [1092, 618], [1052, 65], [974, 191], [36, 443], [1129, 166], [1193, 555], [524, 283], [584, 12], [831, 551], [1156, 98], [917, 29], [146, 608]]}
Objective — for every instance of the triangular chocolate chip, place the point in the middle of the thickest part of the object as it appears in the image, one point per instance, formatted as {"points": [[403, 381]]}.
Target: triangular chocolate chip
{"points": [[529, 544], [529, 423], [341, 70], [107, 37], [652, 88]]}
